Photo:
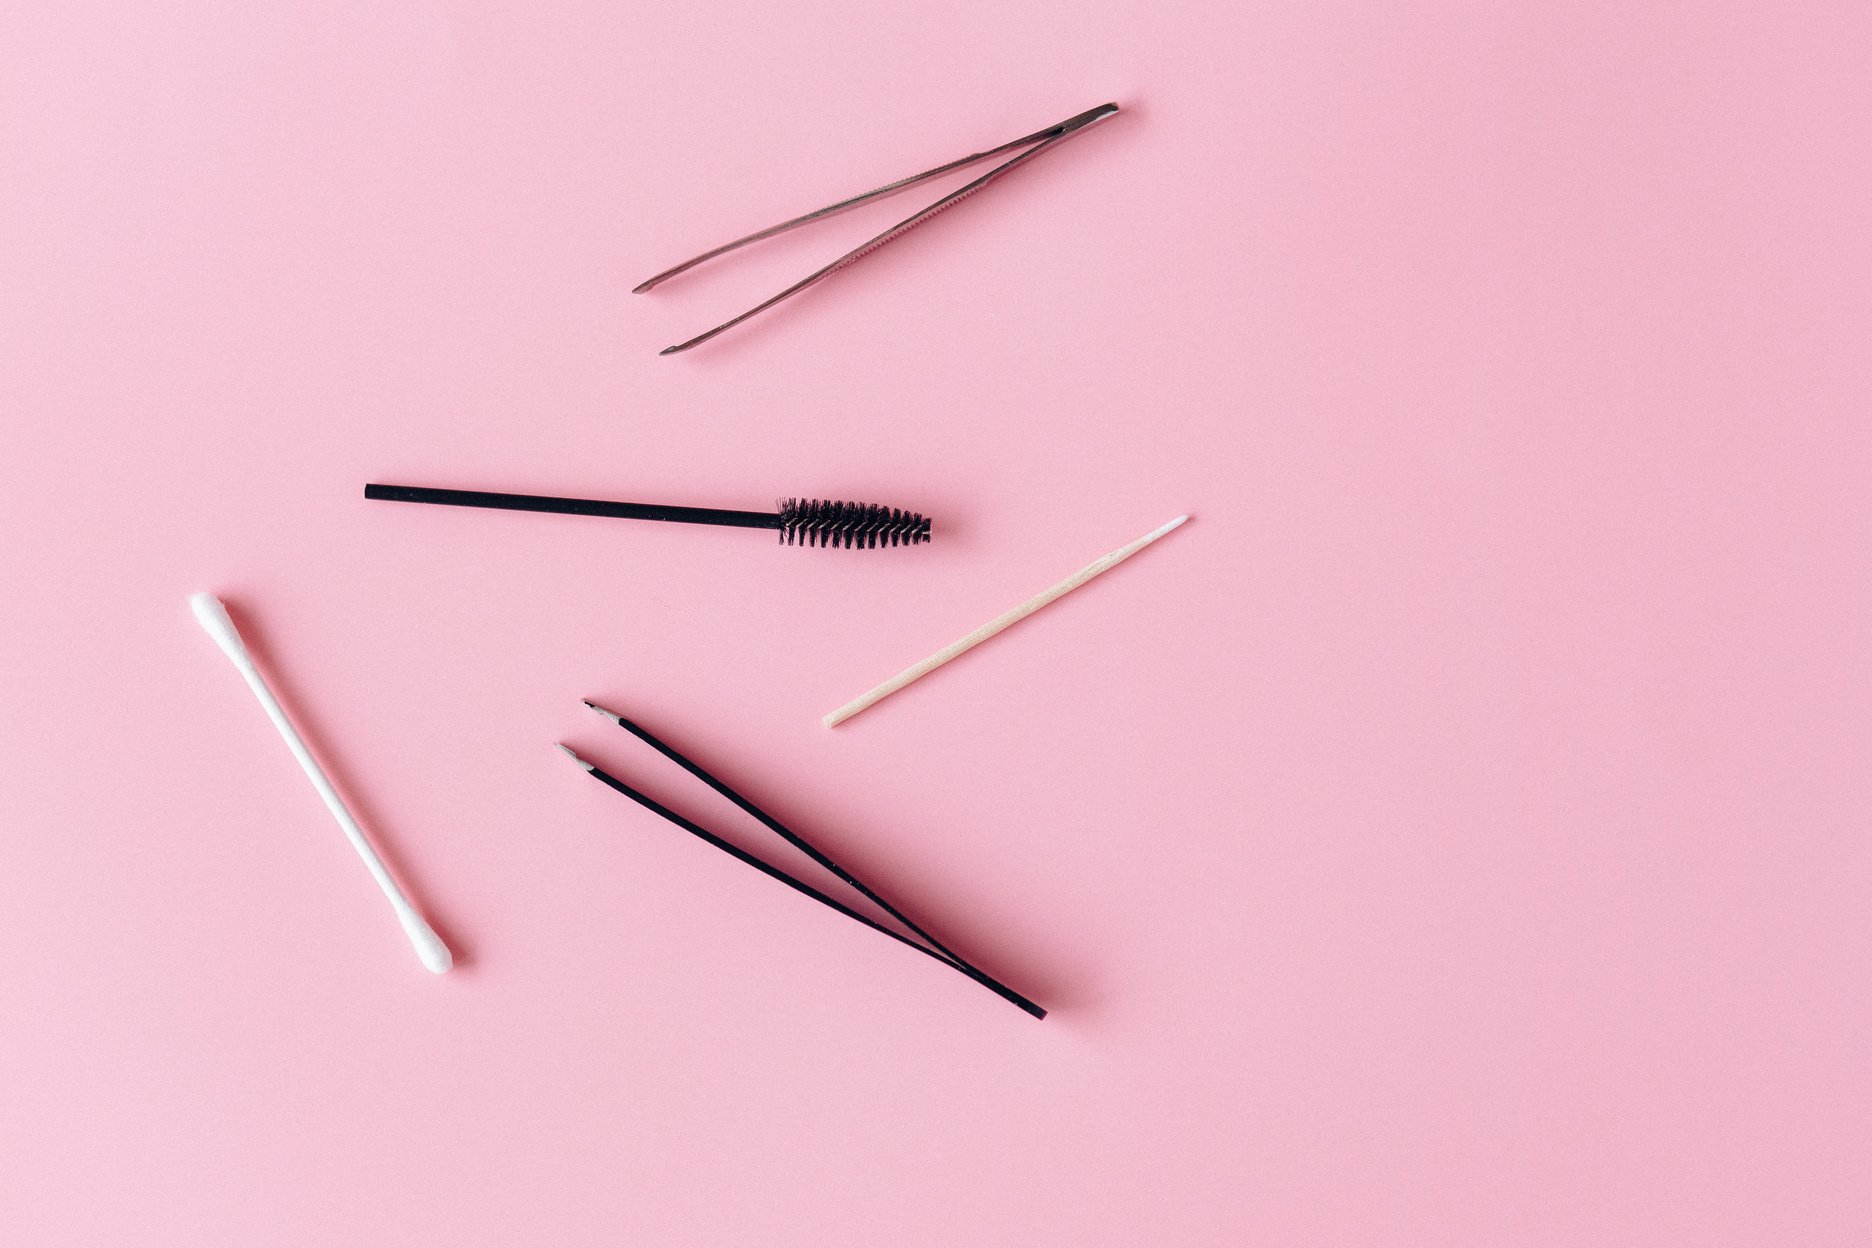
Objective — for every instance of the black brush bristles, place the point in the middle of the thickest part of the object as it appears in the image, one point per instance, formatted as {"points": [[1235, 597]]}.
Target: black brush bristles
{"points": [[817, 522]]}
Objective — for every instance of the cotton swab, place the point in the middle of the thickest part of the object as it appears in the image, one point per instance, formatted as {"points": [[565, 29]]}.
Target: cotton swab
{"points": [[995, 625], [212, 615]]}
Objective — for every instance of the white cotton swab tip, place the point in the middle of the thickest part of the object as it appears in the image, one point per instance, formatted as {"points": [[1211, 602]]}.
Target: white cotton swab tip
{"points": [[213, 616], [430, 951]]}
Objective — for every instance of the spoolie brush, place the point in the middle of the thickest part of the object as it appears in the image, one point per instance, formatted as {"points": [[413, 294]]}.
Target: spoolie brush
{"points": [[800, 521]]}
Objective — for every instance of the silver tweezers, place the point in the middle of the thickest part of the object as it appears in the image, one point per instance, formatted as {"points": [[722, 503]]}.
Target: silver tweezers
{"points": [[1037, 142]]}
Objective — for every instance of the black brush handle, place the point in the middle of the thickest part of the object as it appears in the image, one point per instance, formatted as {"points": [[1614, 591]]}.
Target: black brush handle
{"points": [[574, 506]]}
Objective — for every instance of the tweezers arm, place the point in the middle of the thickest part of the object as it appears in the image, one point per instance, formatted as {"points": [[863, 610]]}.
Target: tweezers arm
{"points": [[1042, 137]]}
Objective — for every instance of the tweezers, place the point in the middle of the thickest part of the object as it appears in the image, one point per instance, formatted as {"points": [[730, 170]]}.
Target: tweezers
{"points": [[924, 943], [1035, 143]]}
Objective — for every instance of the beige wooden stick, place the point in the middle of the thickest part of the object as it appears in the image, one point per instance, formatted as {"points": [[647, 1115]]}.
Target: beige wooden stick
{"points": [[997, 624]]}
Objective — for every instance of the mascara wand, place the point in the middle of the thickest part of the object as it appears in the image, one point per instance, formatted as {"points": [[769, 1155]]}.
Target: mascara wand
{"points": [[800, 521]]}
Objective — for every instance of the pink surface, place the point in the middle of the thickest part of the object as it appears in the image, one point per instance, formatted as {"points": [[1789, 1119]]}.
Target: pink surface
{"points": [[1456, 835]]}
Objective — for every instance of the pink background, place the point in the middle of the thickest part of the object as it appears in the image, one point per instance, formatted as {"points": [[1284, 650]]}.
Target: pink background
{"points": [[1456, 835]]}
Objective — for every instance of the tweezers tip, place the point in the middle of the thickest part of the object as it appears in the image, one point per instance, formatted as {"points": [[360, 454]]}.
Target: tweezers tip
{"points": [[613, 716], [1091, 117]]}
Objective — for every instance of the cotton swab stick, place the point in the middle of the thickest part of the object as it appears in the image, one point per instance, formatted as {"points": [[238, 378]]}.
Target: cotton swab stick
{"points": [[995, 625], [213, 617]]}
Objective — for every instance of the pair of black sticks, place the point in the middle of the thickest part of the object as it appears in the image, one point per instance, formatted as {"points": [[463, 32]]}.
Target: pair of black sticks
{"points": [[933, 948]]}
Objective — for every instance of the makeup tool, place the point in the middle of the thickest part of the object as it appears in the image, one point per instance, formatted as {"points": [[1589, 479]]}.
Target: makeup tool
{"points": [[1035, 143], [932, 948], [1005, 620], [213, 617], [800, 521]]}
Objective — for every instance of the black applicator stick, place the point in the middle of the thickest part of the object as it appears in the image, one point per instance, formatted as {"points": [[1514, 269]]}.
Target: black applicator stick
{"points": [[938, 952], [800, 521], [773, 825]]}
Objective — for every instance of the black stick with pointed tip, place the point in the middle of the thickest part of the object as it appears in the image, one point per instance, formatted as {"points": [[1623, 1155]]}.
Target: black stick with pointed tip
{"points": [[933, 949], [800, 521], [772, 824]]}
